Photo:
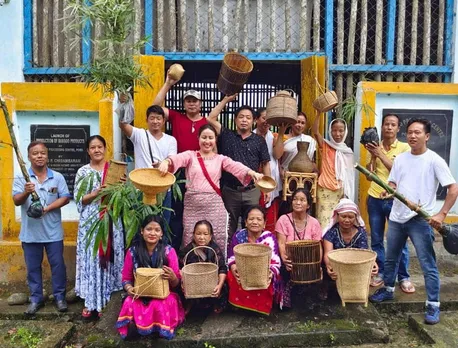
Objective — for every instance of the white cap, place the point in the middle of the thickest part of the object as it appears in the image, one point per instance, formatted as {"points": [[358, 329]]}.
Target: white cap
{"points": [[192, 93]]}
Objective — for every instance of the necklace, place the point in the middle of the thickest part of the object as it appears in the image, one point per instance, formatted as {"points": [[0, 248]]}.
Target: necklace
{"points": [[342, 242], [293, 222]]}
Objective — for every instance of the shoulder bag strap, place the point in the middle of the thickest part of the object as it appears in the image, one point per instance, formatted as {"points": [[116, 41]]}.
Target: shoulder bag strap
{"points": [[149, 147], [207, 176], [294, 226]]}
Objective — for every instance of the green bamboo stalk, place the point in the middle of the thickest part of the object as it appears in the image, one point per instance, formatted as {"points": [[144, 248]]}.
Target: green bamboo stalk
{"points": [[16, 147], [391, 191]]}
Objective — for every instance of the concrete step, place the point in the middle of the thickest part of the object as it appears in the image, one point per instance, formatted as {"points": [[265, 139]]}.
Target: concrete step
{"points": [[444, 334]]}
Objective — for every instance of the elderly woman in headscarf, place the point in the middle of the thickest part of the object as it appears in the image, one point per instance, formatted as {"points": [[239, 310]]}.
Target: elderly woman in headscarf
{"points": [[345, 230], [337, 177]]}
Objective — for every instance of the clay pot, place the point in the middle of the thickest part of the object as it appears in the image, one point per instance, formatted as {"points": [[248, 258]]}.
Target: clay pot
{"points": [[301, 163]]}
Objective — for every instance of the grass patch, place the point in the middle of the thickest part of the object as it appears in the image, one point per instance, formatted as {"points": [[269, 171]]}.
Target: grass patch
{"points": [[24, 337]]}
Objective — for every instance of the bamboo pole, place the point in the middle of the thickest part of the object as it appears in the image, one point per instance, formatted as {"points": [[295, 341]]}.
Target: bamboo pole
{"points": [[414, 37], [160, 26], [440, 36], [401, 36], [245, 25], [316, 25], [378, 35], [20, 160], [287, 26], [45, 49], [258, 25], [363, 39], [211, 28], [340, 47], [225, 27], [35, 54], [198, 23], [56, 48], [183, 26], [273, 34], [173, 26], [426, 36], [303, 33], [238, 19], [351, 45], [138, 22]]}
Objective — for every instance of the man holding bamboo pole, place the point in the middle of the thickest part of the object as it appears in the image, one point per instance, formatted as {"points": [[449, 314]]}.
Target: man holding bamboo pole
{"points": [[416, 175], [381, 160]]}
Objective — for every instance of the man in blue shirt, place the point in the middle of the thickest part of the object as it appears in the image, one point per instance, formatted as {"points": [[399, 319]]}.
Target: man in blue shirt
{"points": [[43, 233]]}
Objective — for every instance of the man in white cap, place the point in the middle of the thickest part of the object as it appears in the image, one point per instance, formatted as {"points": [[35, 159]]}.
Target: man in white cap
{"points": [[185, 127]]}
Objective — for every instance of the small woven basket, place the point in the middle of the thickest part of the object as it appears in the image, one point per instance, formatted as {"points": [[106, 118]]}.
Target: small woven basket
{"points": [[149, 283], [353, 268], [253, 265], [325, 102], [234, 73], [282, 108], [115, 172], [306, 261], [151, 182], [176, 71], [200, 278]]}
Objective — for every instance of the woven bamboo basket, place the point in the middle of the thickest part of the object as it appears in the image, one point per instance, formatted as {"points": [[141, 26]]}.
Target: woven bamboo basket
{"points": [[149, 283], [282, 108], [266, 184], [253, 265], [306, 261], [353, 268], [200, 278], [325, 102], [234, 73], [116, 171], [151, 182], [176, 71]]}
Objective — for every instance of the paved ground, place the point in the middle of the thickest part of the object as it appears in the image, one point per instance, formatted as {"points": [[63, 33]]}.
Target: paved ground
{"points": [[397, 323]]}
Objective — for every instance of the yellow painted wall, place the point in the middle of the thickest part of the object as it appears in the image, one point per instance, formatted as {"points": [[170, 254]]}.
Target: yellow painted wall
{"points": [[45, 97], [369, 97]]}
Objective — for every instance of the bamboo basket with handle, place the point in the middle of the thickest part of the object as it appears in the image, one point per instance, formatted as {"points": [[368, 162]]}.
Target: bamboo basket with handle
{"points": [[199, 278], [305, 256], [149, 283], [326, 101], [253, 265]]}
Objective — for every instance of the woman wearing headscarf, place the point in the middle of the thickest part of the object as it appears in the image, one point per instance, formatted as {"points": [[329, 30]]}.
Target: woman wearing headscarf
{"points": [[345, 230], [337, 178]]}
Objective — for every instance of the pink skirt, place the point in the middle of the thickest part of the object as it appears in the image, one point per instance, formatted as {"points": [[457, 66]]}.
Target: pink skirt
{"points": [[161, 316]]}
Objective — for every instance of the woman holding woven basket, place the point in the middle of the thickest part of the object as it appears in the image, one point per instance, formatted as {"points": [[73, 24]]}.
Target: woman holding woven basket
{"points": [[202, 199], [141, 315], [204, 249], [260, 301], [337, 177], [345, 230], [297, 225]]}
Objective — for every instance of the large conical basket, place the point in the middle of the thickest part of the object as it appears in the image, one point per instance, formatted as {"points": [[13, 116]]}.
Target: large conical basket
{"points": [[253, 265], [234, 72], [199, 278], [150, 182], [353, 268]]}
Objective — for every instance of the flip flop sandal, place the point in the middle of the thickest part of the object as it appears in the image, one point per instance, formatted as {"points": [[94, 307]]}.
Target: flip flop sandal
{"points": [[376, 281], [407, 286], [88, 315]]}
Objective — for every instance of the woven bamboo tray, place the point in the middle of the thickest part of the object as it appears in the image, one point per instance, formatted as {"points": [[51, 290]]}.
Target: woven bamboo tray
{"points": [[253, 265], [305, 256], [200, 278], [353, 268], [151, 182], [149, 283]]}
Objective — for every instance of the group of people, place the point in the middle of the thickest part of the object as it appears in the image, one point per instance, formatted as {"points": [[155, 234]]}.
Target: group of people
{"points": [[221, 168]]}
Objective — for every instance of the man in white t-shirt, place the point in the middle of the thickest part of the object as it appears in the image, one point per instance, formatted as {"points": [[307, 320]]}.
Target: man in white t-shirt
{"points": [[152, 145], [416, 175]]}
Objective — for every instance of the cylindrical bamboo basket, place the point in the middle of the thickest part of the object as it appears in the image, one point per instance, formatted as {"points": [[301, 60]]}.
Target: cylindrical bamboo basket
{"points": [[353, 268], [306, 261], [282, 108], [176, 71], [253, 265], [325, 102], [200, 278], [151, 182], [116, 171], [234, 73], [149, 283]]}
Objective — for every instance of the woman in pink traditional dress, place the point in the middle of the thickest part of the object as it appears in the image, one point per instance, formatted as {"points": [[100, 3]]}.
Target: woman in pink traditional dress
{"points": [[202, 200], [145, 315], [260, 301]]}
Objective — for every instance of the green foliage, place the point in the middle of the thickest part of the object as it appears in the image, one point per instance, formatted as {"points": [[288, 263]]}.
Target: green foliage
{"points": [[114, 69], [350, 107], [208, 345], [27, 338], [121, 203]]}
